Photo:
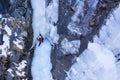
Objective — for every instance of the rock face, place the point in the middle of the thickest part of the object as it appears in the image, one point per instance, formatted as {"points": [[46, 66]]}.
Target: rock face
{"points": [[4, 4], [89, 21], [15, 24], [79, 21]]}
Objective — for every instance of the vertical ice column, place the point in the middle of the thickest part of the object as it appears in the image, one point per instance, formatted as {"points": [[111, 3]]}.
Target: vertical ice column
{"points": [[41, 65], [43, 23]]}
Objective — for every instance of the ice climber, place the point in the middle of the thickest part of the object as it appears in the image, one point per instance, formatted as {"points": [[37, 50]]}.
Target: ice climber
{"points": [[40, 39]]}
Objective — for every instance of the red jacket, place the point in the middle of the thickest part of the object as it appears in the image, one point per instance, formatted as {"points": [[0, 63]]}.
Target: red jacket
{"points": [[40, 39]]}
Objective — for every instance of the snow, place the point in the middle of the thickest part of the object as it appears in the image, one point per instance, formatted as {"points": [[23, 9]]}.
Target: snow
{"points": [[11, 72], [21, 74], [22, 65], [17, 42], [7, 29], [107, 55], [41, 65], [71, 47], [109, 35], [98, 61], [95, 63], [52, 11], [4, 46], [78, 7], [16, 34], [20, 68], [0, 16], [44, 20]]}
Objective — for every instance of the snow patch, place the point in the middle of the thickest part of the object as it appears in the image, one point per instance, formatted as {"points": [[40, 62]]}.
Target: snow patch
{"points": [[11, 72], [0, 16], [7, 29], [71, 47], [20, 68], [22, 65], [17, 42], [5, 46], [16, 34]]}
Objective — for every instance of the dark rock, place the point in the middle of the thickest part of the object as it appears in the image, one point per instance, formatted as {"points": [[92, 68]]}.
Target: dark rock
{"points": [[4, 5], [20, 12], [1, 38]]}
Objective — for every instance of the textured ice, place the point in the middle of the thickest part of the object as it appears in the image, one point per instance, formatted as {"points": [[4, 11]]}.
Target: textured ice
{"points": [[52, 18], [44, 20], [96, 63], [41, 65]]}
